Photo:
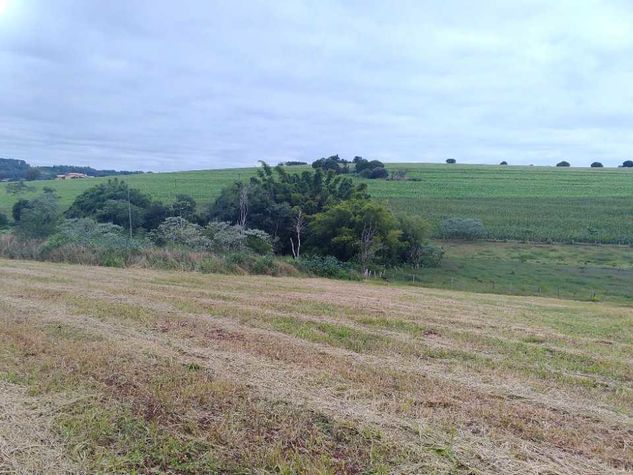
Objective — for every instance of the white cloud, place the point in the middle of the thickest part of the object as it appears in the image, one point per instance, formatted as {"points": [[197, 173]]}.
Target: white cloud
{"points": [[148, 85]]}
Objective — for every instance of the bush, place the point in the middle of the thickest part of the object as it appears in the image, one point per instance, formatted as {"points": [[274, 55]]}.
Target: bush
{"points": [[324, 266], [628, 164], [18, 206], [265, 265], [463, 228], [225, 237], [378, 172], [180, 232], [430, 256], [86, 232], [4, 220], [596, 165], [451, 161], [563, 164], [503, 163], [38, 218]]}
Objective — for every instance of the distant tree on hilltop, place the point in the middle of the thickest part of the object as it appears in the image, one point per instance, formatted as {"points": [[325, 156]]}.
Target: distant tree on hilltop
{"points": [[628, 164], [451, 161], [596, 165], [563, 164]]}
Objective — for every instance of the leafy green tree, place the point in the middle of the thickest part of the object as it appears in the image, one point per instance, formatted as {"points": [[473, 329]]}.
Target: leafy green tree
{"points": [[275, 196], [184, 206], [112, 202], [18, 207], [627, 164], [39, 218], [33, 174], [355, 229], [334, 163]]}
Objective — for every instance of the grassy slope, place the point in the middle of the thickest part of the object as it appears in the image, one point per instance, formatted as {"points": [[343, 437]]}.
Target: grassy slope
{"points": [[537, 203], [146, 370], [579, 272]]}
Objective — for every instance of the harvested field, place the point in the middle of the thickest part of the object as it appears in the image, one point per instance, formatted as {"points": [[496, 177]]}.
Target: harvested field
{"points": [[123, 370]]}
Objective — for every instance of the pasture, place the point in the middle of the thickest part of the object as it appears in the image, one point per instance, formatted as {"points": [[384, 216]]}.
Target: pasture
{"points": [[516, 203], [130, 370], [578, 272]]}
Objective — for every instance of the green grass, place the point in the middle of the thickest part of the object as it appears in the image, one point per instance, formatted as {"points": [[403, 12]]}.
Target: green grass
{"points": [[518, 203], [579, 272]]}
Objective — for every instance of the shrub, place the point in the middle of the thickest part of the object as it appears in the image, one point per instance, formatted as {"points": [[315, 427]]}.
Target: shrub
{"points": [[324, 266], [399, 175], [503, 163], [563, 164], [628, 164], [175, 231], [430, 255], [18, 206], [38, 218], [379, 172], [225, 237], [596, 165], [451, 161], [4, 220], [265, 265], [463, 228], [86, 232]]}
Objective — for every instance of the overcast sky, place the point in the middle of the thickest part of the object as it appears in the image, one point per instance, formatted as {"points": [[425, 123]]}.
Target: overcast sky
{"points": [[176, 85]]}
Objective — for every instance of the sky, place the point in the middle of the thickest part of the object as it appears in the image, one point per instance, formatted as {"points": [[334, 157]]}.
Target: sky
{"points": [[178, 85]]}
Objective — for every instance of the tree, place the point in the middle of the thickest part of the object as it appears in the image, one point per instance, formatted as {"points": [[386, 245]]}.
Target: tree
{"points": [[299, 223], [451, 161], [334, 163], [39, 218], [33, 174], [355, 229], [18, 207], [112, 202], [184, 206], [628, 164], [596, 165], [503, 163], [274, 195], [243, 202], [563, 164], [4, 219]]}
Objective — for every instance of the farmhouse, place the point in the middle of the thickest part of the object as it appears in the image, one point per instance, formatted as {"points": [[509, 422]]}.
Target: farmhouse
{"points": [[71, 176]]}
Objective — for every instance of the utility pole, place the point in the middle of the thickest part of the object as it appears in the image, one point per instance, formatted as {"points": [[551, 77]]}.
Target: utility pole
{"points": [[129, 211]]}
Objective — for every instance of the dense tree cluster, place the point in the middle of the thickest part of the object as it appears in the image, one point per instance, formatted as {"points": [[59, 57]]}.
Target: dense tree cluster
{"points": [[371, 169], [312, 213], [320, 213]]}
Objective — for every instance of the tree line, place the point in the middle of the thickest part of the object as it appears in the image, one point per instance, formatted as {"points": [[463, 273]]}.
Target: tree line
{"points": [[316, 216]]}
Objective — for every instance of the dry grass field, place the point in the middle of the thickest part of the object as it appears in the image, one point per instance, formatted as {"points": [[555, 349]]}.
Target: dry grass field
{"points": [[139, 371]]}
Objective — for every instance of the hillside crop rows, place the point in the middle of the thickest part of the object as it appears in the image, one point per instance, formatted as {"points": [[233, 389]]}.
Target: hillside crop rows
{"points": [[518, 203]]}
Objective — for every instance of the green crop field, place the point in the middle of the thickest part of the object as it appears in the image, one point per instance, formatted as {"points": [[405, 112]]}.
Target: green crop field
{"points": [[517, 203]]}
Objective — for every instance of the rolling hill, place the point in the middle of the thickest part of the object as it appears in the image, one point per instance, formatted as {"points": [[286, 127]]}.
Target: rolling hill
{"points": [[516, 203]]}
